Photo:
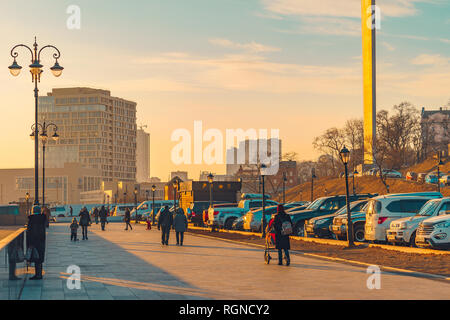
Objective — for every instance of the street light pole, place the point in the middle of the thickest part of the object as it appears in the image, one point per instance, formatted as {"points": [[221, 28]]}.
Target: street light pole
{"points": [[354, 188], [345, 157], [313, 176], [440, 163], [36, 71], [263, 219], [27, 198], [284, 187], [175, 185], [43, 129], [153, 206], [135, 205], [211, 181]]}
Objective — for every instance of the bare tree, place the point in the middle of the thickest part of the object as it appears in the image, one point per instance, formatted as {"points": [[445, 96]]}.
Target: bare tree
{"points": [[331, 143]]}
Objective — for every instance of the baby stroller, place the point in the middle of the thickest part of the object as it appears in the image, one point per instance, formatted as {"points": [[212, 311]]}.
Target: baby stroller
{"points": [[270, 243]]}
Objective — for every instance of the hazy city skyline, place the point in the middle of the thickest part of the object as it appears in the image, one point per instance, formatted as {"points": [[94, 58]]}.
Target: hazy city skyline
{"points": [[289, 65]]}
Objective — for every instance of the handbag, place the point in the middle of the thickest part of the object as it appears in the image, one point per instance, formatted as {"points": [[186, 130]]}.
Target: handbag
{"points": [[20, 257], [32, 254]]}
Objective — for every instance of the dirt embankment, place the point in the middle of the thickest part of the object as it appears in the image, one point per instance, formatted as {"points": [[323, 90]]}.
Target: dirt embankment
{"points": [[426, 263]]}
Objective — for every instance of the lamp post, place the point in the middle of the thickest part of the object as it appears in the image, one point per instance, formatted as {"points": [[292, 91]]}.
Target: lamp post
{"points": [[153, 205], [263, 219], [345, 157], [440, 163], [146, 194], [354, 188], [27, 199], [124, 197], [211, 181], [43, 136], [284, 187], [175, 185], [36, 71], [313, 176], [135, 205]]}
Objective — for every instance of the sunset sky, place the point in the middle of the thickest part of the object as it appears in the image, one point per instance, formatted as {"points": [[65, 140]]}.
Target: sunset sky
{"points": [[292, 65]]}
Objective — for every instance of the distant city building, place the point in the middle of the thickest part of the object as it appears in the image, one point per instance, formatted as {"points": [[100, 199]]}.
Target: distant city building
{"points": [[142, 156], [96, 130], [62, 185], [435, 131], [250, 153], [183, 175]]}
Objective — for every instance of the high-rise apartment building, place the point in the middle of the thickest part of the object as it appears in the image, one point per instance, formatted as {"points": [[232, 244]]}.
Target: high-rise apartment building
{"points": [[95, 129], [142, 156]]}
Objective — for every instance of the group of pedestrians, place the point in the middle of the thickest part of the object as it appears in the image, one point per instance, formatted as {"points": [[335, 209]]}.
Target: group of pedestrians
{"points": [[167, 221], [85, 222]]}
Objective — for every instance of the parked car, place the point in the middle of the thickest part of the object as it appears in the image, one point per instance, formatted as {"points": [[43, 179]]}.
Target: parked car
{"points": [[119, 210], [222, 205], [57, 212], [431, 178], [320, 226], [389, 173], [320, 207], [421, 177], [223, 217], [340, 225], [195, 211], [412, 176], [145, 208], [404, 230], [434, 232], [252, 219], [445, 180], [382, 210]]}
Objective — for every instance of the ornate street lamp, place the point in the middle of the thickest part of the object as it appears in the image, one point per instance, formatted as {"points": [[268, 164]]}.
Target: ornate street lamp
{"points": [[345, 157], [439, 163], [153, 206], [175, 185], [284, 187], [210, 180], [36, 71], [354, 174], [313, 176], [43, 136], [135, 205], [263, 219], [27, 199]]}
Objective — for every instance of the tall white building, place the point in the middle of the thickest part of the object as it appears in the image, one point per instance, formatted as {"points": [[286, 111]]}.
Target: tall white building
{"points": [[142, 156]]}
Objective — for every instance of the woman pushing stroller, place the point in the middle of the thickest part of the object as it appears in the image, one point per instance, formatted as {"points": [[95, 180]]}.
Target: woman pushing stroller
{"points": [[278, 231]]}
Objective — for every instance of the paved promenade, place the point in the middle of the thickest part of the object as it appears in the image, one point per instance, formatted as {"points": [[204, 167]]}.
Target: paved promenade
{"points": [[118, 264]]}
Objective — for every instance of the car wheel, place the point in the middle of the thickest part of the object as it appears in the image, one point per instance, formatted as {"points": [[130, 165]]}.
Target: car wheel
{"points": [[228, 224], [412, 240], [359, 234], [300, 229]]}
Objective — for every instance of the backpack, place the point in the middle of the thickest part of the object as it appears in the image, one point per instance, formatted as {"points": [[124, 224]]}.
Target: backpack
{"points": [[286, 228]]}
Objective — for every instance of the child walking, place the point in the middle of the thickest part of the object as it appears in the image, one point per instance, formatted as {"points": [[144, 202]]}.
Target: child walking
{"points": [[74, 228]]}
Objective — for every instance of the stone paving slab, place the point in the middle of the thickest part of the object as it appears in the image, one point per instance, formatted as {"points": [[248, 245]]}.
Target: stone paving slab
{"points": [[122, 265]]}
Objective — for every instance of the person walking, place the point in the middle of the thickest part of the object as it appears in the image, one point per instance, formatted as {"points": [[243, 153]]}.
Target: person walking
{"points": [[180, 224], [165, 222], [281, 224], [103, 214], [46, 213], [95, 214], [85, 220], [36, 240], [71, 211], [74, 229], [128, 219]]}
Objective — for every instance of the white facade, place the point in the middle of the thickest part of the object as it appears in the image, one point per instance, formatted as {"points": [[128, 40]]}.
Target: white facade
{"points": [[142, 156]]}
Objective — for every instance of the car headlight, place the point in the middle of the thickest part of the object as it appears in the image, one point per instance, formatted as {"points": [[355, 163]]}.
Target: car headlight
{"points": [[444, 224], [320, 221]]}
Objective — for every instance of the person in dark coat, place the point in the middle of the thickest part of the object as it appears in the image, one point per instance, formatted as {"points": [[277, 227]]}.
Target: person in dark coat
{"points": [[85, 221], [95, 214], [128, 219], [103, 214], [180, 224], [74, 229], [282, 242], [71, 211], [36, 229], [165, 221]]}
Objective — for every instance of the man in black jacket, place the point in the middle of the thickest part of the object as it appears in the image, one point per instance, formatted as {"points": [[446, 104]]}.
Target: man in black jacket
{"points": [[85, 220], [103, 214], [165, 222], [36, 230], [128, 219]]}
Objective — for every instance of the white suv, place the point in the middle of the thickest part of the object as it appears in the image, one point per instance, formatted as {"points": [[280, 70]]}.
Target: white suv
{"points": [[382, 210], [404, 230], [434, 232]]}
